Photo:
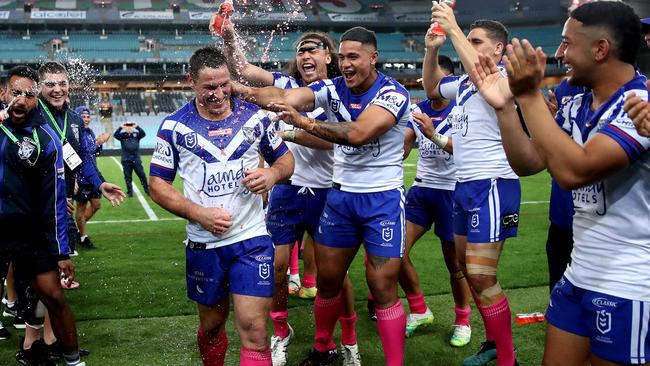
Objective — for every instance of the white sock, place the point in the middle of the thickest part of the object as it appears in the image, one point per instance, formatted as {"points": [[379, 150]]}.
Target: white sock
{"points": [[83, 237], [294, 278]]}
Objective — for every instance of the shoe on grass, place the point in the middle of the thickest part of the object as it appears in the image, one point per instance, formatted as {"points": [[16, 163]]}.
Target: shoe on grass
{"points": [[485, 354], [279, 348], [351, 355], [415, 321], [461, 336]]}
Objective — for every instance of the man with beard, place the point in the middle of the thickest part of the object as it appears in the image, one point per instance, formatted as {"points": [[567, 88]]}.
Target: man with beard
{"points": [[33, 213]]}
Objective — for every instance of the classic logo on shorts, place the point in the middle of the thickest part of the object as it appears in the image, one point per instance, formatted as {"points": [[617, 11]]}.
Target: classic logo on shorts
{"points": [[603, 302], [387, 234], [26, 148], [603, 321], [191, 140], [475, 221], [264, 270], [510, 220]]}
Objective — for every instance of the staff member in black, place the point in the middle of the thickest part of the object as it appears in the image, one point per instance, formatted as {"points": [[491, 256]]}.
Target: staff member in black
{"points": [[54, 111], [129, 135], [33, 206]]}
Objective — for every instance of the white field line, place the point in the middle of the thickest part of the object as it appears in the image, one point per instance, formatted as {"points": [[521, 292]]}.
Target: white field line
{"points": [[152, 215]]}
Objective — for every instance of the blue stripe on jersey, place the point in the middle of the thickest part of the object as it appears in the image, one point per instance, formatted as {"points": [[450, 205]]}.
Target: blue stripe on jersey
{"points": [[285, 81], [632, 148], [438, 117], [60, 205], [356, 104], [3, 145], [465, 90]]}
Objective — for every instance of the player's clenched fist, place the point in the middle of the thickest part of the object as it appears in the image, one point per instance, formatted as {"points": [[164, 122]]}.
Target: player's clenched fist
{"points": [[214, 219], [639, 111]]}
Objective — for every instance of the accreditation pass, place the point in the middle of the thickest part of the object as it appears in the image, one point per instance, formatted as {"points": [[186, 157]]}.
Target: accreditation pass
{"points": [[72, 160]]}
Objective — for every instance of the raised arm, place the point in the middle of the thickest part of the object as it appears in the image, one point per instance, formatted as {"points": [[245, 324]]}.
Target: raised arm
{"points": [[443, 14], [570, 164], [240, 68], [302, 99], [372, 123], [431, 73], [303, 138], [522, 154]]}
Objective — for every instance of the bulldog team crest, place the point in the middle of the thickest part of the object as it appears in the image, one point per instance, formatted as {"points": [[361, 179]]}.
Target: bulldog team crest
{"points": [[26, 148]]}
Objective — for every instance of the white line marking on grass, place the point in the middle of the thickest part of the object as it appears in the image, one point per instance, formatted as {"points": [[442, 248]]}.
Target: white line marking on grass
{"points": [[134, 220], [533, 202], [143, 202]]}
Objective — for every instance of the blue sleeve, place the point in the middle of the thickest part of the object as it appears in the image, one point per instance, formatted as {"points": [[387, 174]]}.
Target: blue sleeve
{"points": [[164, 161], [141, 133], [53, 199], [88, 170], [271, 145], [118, 135]]}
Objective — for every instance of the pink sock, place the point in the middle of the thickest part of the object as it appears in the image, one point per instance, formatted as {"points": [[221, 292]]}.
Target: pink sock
{"points": [[416, 303], [348, 331], [326, 312], [488, 334], [308, 280], [213, 350], [462, 315], [294, 267], [498, 321], [280, 324], [391, 324], [251, 357]]}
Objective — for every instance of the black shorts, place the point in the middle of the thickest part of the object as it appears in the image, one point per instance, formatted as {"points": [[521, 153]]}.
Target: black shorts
{"points": [[85, 193]]}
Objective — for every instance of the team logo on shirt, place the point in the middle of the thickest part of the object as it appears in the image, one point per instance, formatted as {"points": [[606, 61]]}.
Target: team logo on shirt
{"points": [[603, 321], [264, 270], [191, 140], [26, 148], [251, 134], [335, 105], [387, 234]]}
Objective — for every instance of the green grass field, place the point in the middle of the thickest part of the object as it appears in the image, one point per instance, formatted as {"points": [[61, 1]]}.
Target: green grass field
{"points": [[132, 309]]}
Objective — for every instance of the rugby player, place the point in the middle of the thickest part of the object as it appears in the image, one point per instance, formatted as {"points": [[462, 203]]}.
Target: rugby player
{"points": [[487, 194], [214, 142], [599, 310], [295, 206], [366, 116], [430, 200]]}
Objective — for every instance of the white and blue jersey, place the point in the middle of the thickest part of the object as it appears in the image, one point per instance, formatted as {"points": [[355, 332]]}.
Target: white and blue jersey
{"points": [[211, 157], [377, 165], [436, 167], [313, 167], [610, 227], [478, 151]]}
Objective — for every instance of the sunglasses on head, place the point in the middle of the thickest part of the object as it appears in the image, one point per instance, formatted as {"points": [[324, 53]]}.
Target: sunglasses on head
{"points": [[308, 46]]}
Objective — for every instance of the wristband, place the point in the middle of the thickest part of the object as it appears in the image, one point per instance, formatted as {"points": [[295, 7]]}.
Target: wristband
{"points": [[440, 140], [289, 136]]}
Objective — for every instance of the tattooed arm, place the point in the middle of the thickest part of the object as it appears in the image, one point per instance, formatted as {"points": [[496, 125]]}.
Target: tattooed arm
{"points": [[372, 123]]}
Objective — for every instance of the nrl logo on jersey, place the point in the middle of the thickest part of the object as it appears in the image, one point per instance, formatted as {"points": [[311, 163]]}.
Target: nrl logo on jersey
{"points": [[335, 105], [26, 148], [190, 140]]}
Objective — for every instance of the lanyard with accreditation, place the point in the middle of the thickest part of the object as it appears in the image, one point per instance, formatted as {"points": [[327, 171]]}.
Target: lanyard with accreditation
{"points": [[72, 160], [15, 141]]}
